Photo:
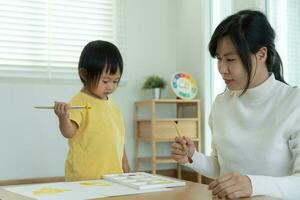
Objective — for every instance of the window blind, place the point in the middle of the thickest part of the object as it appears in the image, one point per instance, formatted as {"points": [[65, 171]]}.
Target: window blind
{"points": [[285, 18], [44, 38]]}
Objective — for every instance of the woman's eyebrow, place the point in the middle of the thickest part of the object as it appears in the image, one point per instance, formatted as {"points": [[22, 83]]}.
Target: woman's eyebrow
{"points": [[227, 54]]}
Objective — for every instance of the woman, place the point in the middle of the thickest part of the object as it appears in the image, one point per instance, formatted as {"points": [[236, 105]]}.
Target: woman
{"points": [[255, 123]]}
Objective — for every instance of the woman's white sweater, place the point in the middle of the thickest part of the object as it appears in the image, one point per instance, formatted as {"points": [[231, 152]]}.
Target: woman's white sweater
{"points": [[258, 135]]}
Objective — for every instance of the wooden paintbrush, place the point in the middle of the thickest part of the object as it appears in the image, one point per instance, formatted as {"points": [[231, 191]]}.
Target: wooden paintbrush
{"points": [[184, 146]]}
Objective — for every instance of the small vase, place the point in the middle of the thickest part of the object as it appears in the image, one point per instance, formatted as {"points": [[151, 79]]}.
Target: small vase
{"points": [[156, 93]]}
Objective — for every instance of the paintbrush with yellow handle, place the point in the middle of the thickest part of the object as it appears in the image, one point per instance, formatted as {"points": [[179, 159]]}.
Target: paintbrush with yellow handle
{"points": [[70, 107]]}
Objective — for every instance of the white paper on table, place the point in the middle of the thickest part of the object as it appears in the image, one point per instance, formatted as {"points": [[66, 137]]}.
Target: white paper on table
{"points": [[77, 190], [114, 189], [61, 191]]}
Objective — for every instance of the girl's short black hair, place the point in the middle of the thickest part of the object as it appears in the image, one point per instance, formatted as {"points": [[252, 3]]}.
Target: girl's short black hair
{"points": [[96, 57], [249, 30]]}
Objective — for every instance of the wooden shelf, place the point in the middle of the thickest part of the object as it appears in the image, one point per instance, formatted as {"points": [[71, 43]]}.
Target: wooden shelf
{"points": [[166, 101], [155, 129], [165, 128]]}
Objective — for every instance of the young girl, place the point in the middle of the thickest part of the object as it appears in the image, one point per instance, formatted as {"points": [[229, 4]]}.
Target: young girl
{"points": [[96, 135], [255, 123]]}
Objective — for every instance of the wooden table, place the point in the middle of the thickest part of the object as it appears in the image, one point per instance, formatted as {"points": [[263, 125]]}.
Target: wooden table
{"points": [[192, 191]]}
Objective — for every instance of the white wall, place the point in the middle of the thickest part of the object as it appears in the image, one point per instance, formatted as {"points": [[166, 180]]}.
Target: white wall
{"points": [[151, 42], [30, 144], [246, 4], [192, 54]]}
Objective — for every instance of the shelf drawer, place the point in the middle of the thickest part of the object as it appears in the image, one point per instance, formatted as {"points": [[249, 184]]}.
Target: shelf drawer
{"points": [[167, 130]]}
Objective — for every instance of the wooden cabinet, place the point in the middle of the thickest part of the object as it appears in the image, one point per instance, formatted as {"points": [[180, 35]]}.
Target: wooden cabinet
{"points": [[155, 122]]}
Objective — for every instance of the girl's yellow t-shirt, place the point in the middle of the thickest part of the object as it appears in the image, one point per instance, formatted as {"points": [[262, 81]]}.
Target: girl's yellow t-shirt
{"points": [[97, 148]]}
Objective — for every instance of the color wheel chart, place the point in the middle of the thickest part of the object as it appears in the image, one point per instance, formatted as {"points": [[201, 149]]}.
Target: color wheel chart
{"points": [[183, 85]]}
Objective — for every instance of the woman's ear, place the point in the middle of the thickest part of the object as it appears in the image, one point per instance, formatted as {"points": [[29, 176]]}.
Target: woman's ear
{"points": [[83, 74], [262, 54]]}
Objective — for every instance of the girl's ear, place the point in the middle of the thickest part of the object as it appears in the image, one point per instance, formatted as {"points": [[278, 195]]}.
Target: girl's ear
{"points": [[83, 74], [262, 54]]}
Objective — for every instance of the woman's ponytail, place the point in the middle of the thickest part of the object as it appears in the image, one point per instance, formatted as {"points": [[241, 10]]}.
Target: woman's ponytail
{"points": [[274, 64]]}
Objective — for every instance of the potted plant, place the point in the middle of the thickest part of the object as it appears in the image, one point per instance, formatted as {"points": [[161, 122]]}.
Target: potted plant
{"points": [[156, 84]]}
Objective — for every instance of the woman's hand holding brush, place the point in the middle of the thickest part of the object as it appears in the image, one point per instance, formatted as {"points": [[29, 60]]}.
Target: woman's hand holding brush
{"points": [[183, 148]]}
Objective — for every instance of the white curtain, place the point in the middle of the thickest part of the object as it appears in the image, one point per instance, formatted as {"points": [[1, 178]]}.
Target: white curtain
{"points": [[284, 16]]}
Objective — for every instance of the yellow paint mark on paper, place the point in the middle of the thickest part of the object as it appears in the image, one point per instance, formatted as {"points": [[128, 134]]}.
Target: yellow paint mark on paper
{"points": [[165, 182], [94, 184], [48, 191]]}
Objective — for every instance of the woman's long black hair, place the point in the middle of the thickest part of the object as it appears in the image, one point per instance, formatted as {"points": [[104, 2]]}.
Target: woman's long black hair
{"points": [[249, 30]]}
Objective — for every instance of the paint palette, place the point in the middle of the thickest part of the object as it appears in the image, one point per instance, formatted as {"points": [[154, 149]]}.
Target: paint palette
{"points": [[183, 85], [142, 180]]}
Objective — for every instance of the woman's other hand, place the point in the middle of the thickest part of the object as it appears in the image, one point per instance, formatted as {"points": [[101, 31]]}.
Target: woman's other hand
{"points": [[231, 186]]}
